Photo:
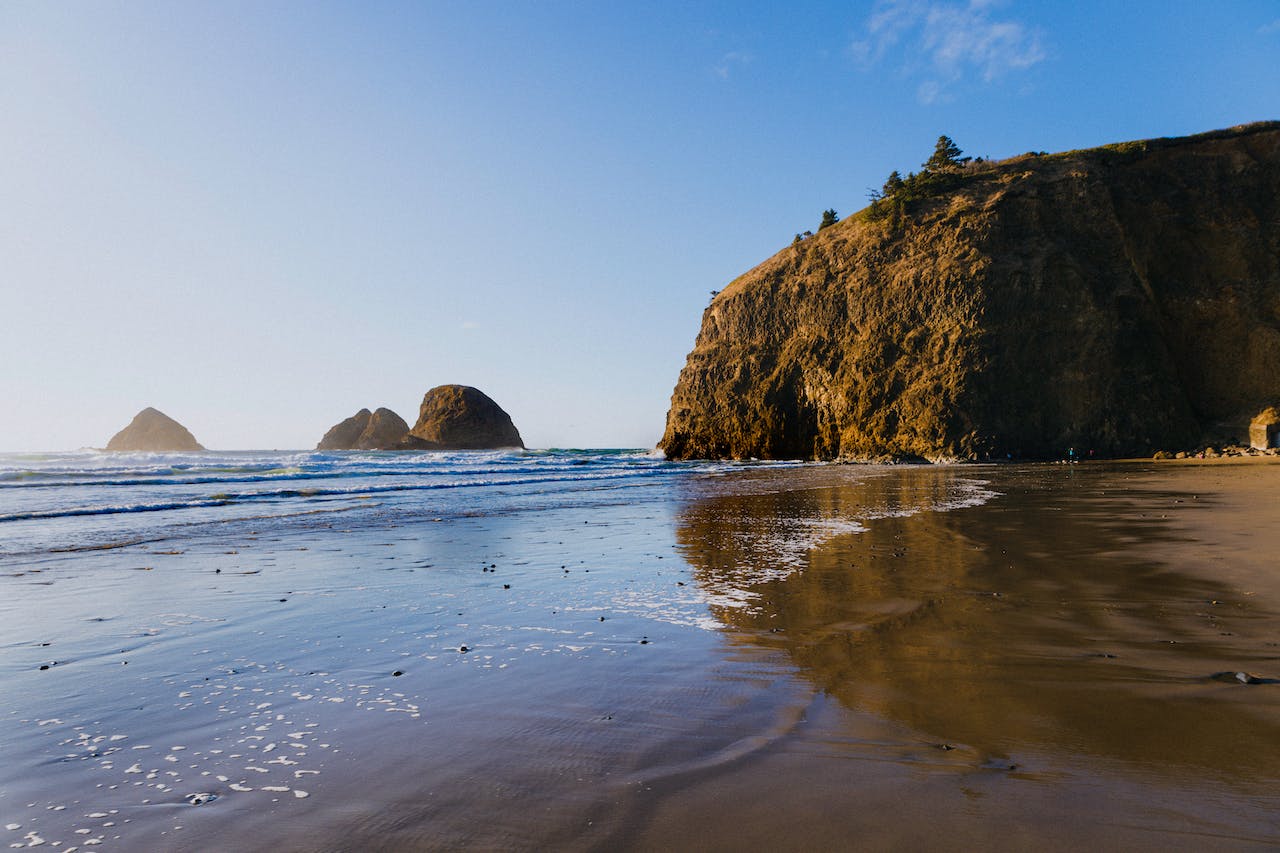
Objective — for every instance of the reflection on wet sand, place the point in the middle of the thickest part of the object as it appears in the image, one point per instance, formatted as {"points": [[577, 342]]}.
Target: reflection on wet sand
{"points": [[1032, 628]]}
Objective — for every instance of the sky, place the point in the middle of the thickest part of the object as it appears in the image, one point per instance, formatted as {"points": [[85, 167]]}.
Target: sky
{"points": [[262, 217]]}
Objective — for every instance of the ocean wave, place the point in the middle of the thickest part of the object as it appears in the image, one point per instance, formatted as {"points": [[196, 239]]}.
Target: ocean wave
{"points": [[309, 467], [222, 499]]}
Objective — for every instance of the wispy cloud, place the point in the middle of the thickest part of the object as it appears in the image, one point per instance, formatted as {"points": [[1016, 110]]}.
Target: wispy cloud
{"points": [[469, 325], [946, 42], [1270, 29], [729, 62]]}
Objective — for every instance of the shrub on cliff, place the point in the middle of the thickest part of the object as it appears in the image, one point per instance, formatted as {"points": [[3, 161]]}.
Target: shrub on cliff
{"points": [[941, 173]]}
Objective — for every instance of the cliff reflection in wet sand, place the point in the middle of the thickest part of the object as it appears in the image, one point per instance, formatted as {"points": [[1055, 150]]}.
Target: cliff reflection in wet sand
{"points": [[1032, 631]]}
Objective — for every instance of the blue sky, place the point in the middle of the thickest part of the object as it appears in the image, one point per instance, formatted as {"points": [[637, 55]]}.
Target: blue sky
{"points": [[260, 217]]}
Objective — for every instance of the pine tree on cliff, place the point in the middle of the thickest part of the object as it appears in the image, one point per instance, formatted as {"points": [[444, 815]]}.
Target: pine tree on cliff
{"points": [[946, 156], [829, 218]]}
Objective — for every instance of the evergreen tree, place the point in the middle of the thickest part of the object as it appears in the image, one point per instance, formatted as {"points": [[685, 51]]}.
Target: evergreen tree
{"points": [[829, 218], [946, 156], [893, 185]]}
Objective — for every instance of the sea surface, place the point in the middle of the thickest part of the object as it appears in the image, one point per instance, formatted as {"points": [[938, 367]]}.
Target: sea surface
{"points": [[58, 501], [606, 650]]}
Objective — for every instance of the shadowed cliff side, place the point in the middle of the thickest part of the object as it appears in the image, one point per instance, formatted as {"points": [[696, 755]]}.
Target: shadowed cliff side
{"points": [[1118, 299]]}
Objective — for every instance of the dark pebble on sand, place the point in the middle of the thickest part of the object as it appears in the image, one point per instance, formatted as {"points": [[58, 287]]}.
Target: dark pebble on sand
{"points": [[506, 586], [397, 673], [463, 649], [44, 666], [645, 641], [1242, 678]]}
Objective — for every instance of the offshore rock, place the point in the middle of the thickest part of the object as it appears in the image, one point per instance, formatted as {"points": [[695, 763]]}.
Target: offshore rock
{"points": [[365, 430], [1113, 300], [154, 431], [345, 434], [459, 417], [1264, 429]]}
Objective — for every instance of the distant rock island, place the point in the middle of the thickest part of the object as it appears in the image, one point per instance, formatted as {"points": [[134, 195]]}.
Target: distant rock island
{"points": [[1115, 301], [452, 417], [154, 431], [365, 430], [459, 417]]}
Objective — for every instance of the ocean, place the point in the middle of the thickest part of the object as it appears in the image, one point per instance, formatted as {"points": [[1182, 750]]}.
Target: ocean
{"points": [[601, 649], [51, 501]]}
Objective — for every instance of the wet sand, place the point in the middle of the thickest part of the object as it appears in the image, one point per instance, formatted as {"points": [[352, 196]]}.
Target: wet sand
{"points": [[777, 659], [1039, 671]]}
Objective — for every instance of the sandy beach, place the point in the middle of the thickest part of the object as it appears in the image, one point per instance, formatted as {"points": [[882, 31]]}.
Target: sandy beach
{"points": [[911, 657]]}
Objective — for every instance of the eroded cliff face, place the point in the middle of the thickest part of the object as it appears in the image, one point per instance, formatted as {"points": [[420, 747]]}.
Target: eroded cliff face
{"points": [[1113, 300]]}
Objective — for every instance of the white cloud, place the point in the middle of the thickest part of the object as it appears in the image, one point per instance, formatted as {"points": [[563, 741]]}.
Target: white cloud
{"points": [[731, 60], [929, 92], [468, 325], [1270, 29], [946, 42]]}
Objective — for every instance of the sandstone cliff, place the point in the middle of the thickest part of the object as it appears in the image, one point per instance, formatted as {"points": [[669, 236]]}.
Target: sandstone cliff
{"points": [[153, 431], [1117, 299], [459, 417], [365, 430]]}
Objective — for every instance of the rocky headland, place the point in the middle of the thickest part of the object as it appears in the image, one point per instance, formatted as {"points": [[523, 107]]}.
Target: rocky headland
{"points": [[379, 430], [153, 431], [1115, 300]]}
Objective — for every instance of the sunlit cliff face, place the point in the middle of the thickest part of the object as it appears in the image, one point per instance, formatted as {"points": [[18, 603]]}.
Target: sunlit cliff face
{"points": [[1030, 624]]}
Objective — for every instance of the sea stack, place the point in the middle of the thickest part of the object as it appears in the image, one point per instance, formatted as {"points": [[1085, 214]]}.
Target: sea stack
{"points": [[1110, 301], [365, 430], [459, 417], [153, 431]]}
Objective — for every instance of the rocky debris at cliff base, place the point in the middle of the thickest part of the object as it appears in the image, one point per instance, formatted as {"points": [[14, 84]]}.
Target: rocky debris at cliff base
{"points": [[1264, 429], [155, 432], [1228, 452]]}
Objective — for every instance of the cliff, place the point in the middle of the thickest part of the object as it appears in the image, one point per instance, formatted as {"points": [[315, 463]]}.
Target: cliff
{"points": [[365, 430], [1115, 300], [459, 417], [154, 431]]}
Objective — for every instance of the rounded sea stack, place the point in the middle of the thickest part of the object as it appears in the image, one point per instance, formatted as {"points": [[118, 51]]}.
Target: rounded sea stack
{"points": [[459, 417], [153, 431]]}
